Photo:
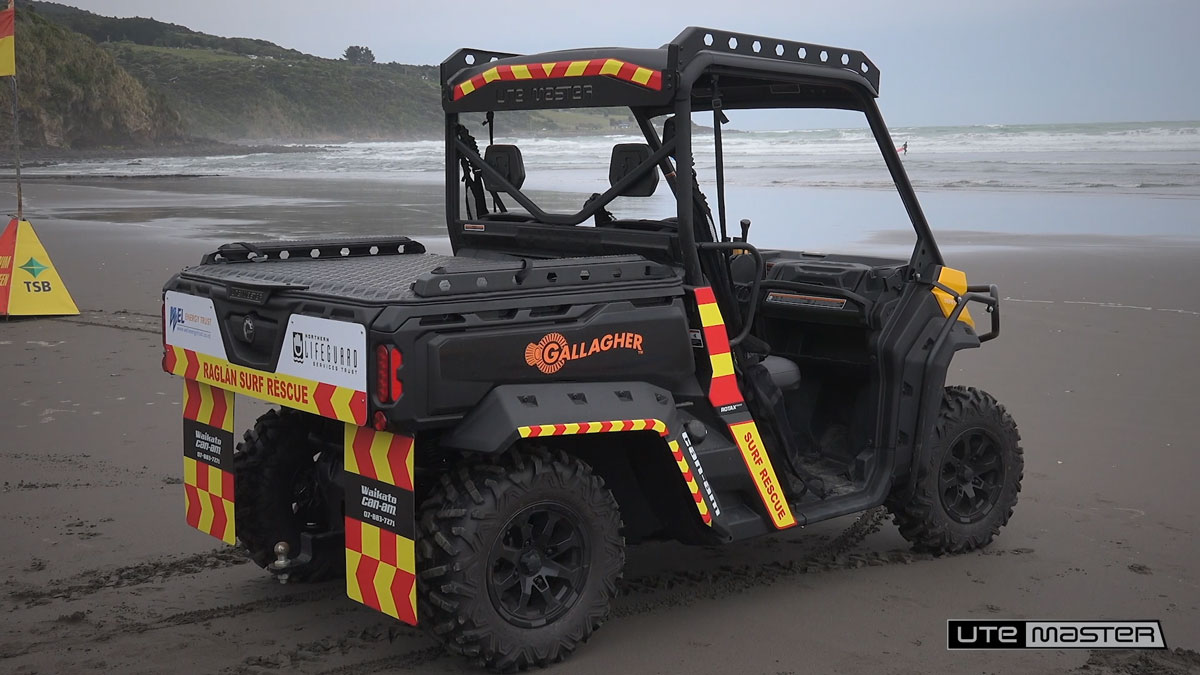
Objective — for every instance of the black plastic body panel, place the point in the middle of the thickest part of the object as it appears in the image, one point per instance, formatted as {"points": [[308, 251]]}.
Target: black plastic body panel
{"points": [[453, 357]]}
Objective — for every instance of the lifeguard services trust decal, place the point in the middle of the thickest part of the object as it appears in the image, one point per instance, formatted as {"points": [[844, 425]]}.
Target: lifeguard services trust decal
{"points": [[553, 351], [325, 350]]}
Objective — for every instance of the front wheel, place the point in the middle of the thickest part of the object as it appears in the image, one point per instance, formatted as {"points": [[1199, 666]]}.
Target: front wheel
{"points": [[968, 477], [519, 558]]}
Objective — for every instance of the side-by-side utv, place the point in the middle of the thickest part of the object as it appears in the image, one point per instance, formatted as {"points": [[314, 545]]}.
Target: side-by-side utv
{"points": [[472, 440]]}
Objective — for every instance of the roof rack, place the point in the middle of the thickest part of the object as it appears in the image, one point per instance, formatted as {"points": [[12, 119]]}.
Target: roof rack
{"points": [[626, 76], [468, 57], [694, 40]]}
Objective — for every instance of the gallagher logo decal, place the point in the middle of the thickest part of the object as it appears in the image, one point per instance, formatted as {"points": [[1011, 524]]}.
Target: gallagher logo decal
{"points": [[553, 351]]}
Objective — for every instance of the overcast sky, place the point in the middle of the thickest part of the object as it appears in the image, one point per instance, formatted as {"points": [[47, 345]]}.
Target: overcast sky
{"points": [[942, 62]]}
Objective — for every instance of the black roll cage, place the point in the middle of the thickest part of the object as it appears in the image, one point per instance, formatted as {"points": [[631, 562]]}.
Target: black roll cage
{"points": [[820, 77]]}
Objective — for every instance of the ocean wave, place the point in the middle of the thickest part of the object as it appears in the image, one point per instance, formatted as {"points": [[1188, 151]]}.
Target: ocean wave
{"points": [[1153, 157]]}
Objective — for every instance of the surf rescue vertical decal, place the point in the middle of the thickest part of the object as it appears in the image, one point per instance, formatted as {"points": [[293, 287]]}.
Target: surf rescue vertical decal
{"points": [[726, 397], [380, 527], [208, 459]]}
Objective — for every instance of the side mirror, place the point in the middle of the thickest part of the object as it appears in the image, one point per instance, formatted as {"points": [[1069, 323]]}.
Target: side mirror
{"points": [[507, 160], [625, 158]]}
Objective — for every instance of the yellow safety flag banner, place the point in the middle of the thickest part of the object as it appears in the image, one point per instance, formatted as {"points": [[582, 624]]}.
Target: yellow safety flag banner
{"points": [[8, 57]]}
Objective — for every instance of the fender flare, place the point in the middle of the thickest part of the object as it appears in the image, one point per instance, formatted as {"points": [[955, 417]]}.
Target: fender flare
{"points": [[933, 381], [511, 412]]}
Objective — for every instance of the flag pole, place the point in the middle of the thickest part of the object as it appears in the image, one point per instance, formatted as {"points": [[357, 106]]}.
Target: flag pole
{"points": [[17, 146], [8, 67]]}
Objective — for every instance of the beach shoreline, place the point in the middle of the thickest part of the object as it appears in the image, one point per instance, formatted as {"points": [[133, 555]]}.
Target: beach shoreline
{"points": [[1095, 361]]}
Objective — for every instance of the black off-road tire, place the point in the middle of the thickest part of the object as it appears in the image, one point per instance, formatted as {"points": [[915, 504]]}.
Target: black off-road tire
{"points": [[934, 519], [475, 509], [273, 460]]}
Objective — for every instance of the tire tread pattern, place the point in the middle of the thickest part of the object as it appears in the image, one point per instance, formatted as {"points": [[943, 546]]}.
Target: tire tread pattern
{"points": [[922, 519], [455, 528]]}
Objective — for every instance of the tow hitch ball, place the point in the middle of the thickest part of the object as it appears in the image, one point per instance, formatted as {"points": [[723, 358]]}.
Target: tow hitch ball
{"points": [[281, 561]]}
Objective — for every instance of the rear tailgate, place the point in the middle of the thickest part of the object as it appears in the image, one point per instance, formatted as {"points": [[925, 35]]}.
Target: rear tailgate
{"points": [[234, 327], [321, 365]]}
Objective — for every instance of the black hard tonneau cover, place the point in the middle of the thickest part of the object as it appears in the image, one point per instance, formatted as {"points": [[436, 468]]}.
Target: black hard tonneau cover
{"points": [[396, 270]]}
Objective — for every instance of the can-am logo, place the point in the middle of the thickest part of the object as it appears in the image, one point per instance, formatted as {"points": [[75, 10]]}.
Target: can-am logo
{"points": [[553, 351]]}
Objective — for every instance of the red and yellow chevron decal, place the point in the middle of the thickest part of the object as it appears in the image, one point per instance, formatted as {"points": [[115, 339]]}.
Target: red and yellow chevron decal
{"points": [[614, 426], [208, 459], [318, 398], [723, 388], [621, 70], [379, 455], [207, 404], [381, 570], [690, 479], [574, 428], [725, 395], [380, 527]]}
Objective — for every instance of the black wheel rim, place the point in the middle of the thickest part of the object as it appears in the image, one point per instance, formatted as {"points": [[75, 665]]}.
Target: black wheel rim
{"points": [[307, 503], [538, 565], [972, 476]]}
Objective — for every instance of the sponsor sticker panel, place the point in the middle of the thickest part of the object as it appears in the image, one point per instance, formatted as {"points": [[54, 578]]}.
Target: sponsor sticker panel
{"points": [[208, 445], [319, 398], [191, 323], [324, 350], [380, 522]]}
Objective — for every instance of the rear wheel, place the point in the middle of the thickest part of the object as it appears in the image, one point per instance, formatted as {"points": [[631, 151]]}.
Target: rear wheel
{"points": [[519, 558], [968, 479], [277, 495]]}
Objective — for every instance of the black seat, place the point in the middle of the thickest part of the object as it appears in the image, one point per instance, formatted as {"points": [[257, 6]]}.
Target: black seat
{"points": [[784, 372]]}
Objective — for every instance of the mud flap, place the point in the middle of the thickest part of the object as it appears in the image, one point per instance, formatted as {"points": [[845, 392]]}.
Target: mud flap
{"points": [[208, 459], [380, 523]]}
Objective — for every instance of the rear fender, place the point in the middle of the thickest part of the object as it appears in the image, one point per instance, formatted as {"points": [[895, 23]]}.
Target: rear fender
{"points": [[510, 413]]}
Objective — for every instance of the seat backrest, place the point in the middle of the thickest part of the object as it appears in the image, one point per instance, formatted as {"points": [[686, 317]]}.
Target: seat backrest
{"points": [[507, 160], [625, 158]]}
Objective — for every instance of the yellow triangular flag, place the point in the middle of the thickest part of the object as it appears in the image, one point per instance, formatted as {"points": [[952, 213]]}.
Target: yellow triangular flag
{"points": [[29, 283], [8, 58]]}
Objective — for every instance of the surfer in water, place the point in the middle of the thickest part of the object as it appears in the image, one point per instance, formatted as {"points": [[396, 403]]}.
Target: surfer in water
{"points": [[903, 149]]}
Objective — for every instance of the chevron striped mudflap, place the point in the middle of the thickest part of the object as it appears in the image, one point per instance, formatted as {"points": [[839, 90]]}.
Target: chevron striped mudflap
{"points": [[208, 459], [380, 522]]}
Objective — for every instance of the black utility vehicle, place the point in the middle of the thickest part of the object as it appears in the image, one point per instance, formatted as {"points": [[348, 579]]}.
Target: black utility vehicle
{"points": [[473, 439]]}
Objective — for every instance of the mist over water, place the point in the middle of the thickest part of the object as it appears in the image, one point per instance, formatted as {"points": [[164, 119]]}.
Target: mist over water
{"points": [[1161, 158]]}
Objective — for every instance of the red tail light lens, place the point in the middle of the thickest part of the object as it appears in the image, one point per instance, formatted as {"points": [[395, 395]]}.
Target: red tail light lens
{"points": [[388, 361], [381, 374], [395, 361]]}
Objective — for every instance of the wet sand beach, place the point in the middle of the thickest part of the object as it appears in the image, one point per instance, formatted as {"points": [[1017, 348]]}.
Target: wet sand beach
{"points": [[1096, 361]]}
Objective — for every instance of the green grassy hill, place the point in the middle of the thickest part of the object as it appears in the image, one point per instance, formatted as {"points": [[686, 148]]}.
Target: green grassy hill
{"points": [[74, 94], [231, 96], [239, 89]]}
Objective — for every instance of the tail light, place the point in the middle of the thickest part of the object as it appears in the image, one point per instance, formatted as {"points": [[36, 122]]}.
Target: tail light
{"points": [[388, 361]]}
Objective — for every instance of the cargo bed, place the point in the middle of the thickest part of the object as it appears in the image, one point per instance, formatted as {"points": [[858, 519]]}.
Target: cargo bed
{"points": [[398, 270]]}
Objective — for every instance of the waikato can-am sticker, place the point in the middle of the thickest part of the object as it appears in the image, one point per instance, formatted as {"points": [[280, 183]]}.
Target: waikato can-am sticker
{"points": [[324, 350], [191, 323]]}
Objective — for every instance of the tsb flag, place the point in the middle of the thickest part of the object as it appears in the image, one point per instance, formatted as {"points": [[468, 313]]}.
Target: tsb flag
{"points": [[8, 58], [29, 282]]}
